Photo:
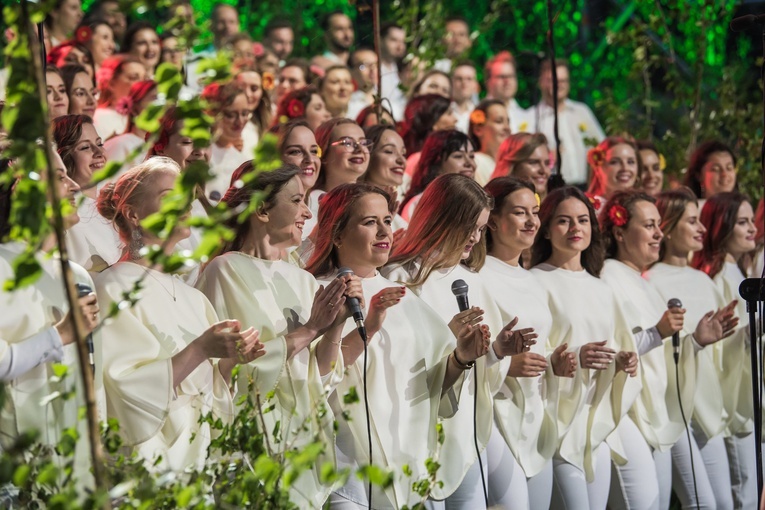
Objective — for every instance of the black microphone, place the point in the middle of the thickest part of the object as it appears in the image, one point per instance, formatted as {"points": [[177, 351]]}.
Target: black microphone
{"points": [[355, 306], [744, 22], [82, 291], [460, 291], [675, 303]]}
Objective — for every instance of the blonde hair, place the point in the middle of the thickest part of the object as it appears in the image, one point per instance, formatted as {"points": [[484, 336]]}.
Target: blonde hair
{"points": [[442, 225], [131, 191]]}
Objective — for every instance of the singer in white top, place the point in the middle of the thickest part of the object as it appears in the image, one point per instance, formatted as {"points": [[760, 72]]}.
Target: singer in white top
{"points": [[444, 243], [673, 278], [412, 361], [36, 332], [167, 358], [525, 409], [249, 282], [567, 259], [729, 220]]}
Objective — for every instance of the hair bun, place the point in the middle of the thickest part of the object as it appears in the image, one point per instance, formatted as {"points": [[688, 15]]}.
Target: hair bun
{"points": [[107, 204]]}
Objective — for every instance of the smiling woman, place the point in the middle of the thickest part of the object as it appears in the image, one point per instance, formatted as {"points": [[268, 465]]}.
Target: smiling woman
{"points": [[142, 42], [614, 164], [93, 243]]}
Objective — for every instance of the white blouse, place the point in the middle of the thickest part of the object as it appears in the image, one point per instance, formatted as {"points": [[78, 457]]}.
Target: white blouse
{"points": [[157, 419], [525, 408], [93, 242]]}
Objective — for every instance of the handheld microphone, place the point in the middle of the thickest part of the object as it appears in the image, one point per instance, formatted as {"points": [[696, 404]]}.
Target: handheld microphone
{"points": [[744, 22], [460, 291], [82, 291], [355, 306], [675, 303]]}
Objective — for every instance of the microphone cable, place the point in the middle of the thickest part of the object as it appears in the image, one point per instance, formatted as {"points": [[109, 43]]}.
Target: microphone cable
{"points": [[475, 436], [369, 423], [687, 432]]}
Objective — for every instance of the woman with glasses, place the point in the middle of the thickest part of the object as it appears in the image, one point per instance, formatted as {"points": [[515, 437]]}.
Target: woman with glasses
{"points": [[488, 128], [93, 242], [82, 92], [444, 152], [525, 156], [231, 109], [116, 76], [121, 147]]}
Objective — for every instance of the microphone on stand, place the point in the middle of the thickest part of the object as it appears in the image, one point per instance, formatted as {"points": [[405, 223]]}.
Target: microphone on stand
{"points": [[82, 291], [675, 303], [460, 291], [355, 306]]}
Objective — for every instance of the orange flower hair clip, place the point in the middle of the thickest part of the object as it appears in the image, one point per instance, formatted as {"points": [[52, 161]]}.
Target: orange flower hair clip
{"points": [[618, 215], [478, 117], [268, 82]]}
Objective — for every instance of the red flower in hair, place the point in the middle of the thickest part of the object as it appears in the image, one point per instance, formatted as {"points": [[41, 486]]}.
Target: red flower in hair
{"points": [[258, 49], [618, 215], [295, 108], [595, 201], [83, 34], [596, 157]]}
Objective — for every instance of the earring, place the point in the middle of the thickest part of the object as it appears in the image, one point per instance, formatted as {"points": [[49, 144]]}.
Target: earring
{"points": [[136, 244]]}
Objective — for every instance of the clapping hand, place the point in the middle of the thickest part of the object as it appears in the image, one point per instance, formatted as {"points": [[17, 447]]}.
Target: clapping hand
{"points": [[510, 342]]}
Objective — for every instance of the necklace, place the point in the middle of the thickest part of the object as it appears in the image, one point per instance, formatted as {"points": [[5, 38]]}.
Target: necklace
{"points": [[172, 280]]}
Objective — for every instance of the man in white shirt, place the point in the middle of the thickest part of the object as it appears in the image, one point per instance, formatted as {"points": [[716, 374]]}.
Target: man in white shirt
{"points": [[457, 42], [464, 88], [578, 128], [392, 52], [501, 82], [363, 65], [339, 36]]}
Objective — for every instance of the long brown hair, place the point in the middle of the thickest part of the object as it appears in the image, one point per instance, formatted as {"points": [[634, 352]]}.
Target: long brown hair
{"points": [[719, 216], [335, 210], [592, 256], [67, 131], [516, 149], [441, 226], [499, 189], [264, 187], [324, 138], [671, 205]]}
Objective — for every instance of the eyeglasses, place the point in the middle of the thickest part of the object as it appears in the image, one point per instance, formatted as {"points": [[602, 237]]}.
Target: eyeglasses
{"points": [[352, 145]]}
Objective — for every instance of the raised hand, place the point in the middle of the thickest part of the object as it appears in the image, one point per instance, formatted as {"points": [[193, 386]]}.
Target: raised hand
{"points": [[472, 342], [472, 316], [327, 305], [87, 307], [510, 342], [628, 362], [596, 355], [671, 322], [715, 326], [564, 363], [378, 306], [527, 364]]}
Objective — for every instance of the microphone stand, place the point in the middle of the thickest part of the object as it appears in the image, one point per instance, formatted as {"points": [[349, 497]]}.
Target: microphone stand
{"points": [[752, 291], [556, 179]]}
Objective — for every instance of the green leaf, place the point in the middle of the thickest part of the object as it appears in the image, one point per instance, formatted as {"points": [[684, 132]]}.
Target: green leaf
{"points": [[21, 475], [351, 397], [26, 271]]}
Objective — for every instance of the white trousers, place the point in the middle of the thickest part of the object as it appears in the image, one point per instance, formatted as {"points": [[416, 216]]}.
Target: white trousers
{"points": [[509, 489], [570, 488], [645, 481], [469, 495], [743, 470], [710, 462]]}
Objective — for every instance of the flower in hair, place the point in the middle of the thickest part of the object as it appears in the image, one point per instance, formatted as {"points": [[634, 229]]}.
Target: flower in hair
{"points": [[124, 105], [478, 117], [662, 162], [595, 201], [295, 108], [268, 81], [539, 199], [83, 34], [318, 152], [258, 50], [618, 215], [596, 157]]}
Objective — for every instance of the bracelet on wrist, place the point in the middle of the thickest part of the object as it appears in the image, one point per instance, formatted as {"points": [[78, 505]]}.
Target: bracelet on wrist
{"points": [[460, 364]]}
